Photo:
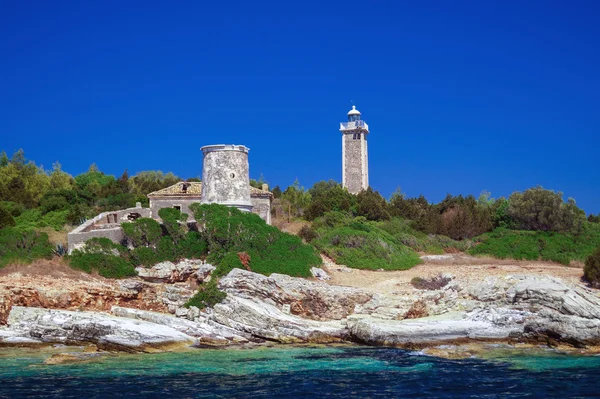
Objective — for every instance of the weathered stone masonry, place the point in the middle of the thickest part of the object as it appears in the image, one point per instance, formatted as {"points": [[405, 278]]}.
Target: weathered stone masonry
{"points": [[355, 165]]}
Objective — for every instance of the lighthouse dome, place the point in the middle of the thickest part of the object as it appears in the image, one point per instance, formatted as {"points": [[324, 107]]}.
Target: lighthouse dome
{"points": [[353, 111]]}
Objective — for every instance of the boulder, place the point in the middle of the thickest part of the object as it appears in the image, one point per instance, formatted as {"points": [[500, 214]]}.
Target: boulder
{"points": [[319, 273], [169, 272], [310, 299], [103, 330]]}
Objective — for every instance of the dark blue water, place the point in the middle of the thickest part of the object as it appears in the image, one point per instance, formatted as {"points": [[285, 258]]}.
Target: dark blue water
{"points": [[294, 372]]}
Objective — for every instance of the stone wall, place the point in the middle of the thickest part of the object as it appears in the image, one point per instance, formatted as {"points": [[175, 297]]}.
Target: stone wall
{"points": [[184, 202], [262, 207], [106, 224]]}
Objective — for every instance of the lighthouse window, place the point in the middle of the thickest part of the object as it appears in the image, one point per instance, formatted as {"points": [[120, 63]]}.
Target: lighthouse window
{"points": [[232, 175], [356, 136]]}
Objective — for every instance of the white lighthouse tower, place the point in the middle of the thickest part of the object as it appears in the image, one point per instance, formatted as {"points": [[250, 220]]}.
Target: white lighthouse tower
{"points": [[355, 166]]}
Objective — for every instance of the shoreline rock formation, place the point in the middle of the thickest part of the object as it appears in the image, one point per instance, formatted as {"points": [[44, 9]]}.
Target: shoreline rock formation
{"points": [[283, 309]]}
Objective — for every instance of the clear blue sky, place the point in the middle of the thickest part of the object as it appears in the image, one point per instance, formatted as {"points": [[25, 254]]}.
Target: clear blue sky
{"points": [[460, 96]]}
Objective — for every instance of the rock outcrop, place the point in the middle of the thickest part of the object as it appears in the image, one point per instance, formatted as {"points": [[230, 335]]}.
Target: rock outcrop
{"points": [[285, 309], [169, 272], [309, 299], [103, 330]]}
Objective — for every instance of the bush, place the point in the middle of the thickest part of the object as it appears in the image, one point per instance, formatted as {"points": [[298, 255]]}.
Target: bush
{"points": [[307, 233], [109, 266], [172, 220], [328, 197], [591, 271], [364, 246], [192, 246], [6, 219], [228, 231], [545, 210], [23, 246], [143, 232], [144, 256], [371, 205], [534, 245], [12, 207], [207, 296]]}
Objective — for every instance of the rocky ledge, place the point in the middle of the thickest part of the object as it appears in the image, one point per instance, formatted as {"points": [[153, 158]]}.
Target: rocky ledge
{"points": [[518, 308]]}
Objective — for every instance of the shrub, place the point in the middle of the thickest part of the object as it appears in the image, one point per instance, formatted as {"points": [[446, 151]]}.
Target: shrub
{"points": [[327, 197], [13, 208], [143, 232], [23, 246], [172, 220], [372, 205], [591, 270], [207, 296], [166, 250], [545, 210], [6, 219], [228, 231], [533, 245], [307, 233], [144, 256], [193, 246], [109, 266], [433, 283], [373, 249]]}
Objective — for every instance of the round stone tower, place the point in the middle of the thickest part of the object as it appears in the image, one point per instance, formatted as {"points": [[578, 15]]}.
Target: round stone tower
{"points": [[225, 176]]}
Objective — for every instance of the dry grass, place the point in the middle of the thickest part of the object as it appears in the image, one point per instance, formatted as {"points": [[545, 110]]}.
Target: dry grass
{"points": [[292, 227], [56, 237], [54, 268]]}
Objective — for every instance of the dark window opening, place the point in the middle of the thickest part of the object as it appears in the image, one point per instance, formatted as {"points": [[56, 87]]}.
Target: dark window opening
{"points": [[178, 207], [232, 175], [133, 216]]}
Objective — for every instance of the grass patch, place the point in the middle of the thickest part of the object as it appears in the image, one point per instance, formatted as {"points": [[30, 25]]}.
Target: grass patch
{"points": [[360, 244], [539, 245]]}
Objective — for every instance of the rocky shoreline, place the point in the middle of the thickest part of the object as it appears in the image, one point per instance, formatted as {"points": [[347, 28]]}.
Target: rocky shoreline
{"points": [[513, 309]]}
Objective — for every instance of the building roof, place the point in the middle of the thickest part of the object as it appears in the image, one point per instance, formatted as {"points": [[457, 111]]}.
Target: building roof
{"points": [[194, 189], [354, 111]]}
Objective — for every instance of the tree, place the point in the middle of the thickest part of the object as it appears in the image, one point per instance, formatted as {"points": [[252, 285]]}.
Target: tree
{"points": [[3, 159], [172, 220], [372, 205], [540, 209], [591, 270], [594, 218], [58, 179], [143, 232], [296, 199], [276, 192], [6, 219], [329, 196]]}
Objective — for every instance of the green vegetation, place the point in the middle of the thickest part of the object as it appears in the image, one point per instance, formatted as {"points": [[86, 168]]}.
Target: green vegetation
{"points": [[228, 231], [591, 271], [23, 246], [207, 296], [539, 245], [34, 199], [361, 244]]}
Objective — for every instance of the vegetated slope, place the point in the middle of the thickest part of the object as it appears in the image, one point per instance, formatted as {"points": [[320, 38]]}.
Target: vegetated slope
{"points": [[533, 245], [227, 237], [360, 244]]}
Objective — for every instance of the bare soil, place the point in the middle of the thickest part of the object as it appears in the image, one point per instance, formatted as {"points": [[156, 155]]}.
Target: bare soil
{"points": [[465, 269]]}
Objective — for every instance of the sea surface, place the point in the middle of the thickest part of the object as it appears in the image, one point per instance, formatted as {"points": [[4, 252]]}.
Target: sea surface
{"points": [[302, 372]]}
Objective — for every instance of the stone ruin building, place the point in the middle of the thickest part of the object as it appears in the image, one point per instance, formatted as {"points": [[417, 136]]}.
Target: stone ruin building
{"points": [[225, 180], [355, 164]]}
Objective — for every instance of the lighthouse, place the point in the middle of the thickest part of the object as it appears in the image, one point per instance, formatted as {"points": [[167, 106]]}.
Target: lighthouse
{"points": [[355, 166]]}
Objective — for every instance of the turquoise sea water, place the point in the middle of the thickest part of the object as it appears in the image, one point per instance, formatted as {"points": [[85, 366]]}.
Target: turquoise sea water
{"points": [[301, 372]]}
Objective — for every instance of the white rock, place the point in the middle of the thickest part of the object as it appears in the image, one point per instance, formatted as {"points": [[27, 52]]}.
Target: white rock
{"points": [[319, 273]]}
